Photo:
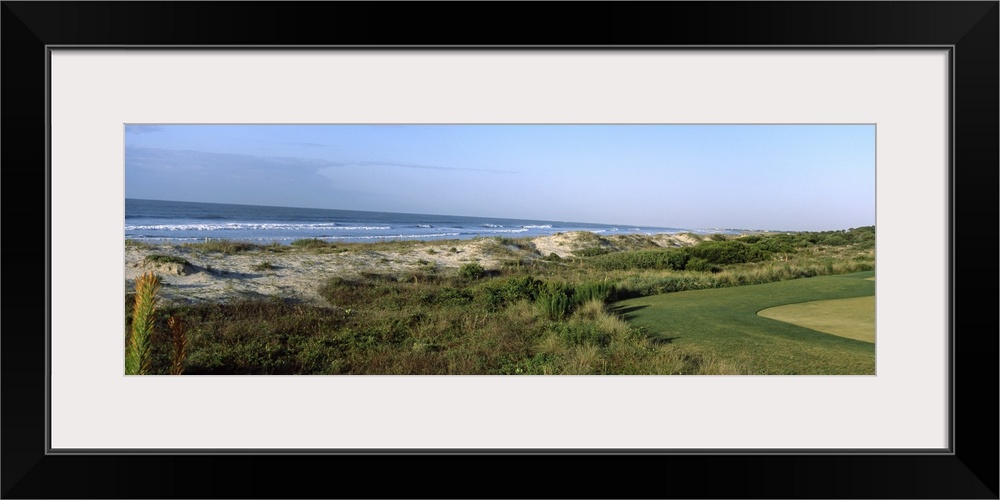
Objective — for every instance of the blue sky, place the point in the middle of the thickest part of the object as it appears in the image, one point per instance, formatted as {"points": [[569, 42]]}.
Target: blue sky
{"points": [[782, 177]]}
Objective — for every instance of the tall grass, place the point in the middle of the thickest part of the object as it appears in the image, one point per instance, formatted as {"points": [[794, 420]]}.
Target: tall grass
{"points": [[138, 346], [555, 304], [179, 337]]}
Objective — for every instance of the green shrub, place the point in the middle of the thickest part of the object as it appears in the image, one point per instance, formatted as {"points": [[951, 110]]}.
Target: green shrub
{"points": [[591, 252], [581, 334], [728, 252], [264, 266], [700, 265], [674, 259], [554, 303], [834, 240], [592, 291], [781, 243], [498, 294], [471, 271], [448, 296]]}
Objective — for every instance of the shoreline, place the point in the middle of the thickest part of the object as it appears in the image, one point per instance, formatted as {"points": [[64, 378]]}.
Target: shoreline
{"points": [[295, 273]]}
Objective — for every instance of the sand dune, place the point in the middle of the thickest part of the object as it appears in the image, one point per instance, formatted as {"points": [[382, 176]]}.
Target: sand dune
{"points": [[296, 273]]}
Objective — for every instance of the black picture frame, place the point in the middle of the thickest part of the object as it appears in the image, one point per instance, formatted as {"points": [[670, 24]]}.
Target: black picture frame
{"points": [[970, 29]]}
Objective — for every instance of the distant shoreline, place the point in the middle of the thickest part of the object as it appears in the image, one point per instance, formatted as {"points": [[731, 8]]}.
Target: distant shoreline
{"points": [[188, 222]]}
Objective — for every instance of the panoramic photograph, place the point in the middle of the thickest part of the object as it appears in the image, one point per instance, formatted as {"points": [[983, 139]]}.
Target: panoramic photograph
{"points": [[536, 249]]}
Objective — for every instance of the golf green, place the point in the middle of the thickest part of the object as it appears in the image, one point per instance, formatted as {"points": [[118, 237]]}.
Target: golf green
{"points": [[853, 318], [723, 323]]}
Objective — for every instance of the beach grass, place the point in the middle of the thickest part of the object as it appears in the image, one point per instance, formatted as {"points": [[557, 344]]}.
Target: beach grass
{"points": [[166, 259], [534, 314]]}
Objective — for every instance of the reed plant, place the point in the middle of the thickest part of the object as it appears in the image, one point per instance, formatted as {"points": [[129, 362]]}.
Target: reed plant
{"points": [[179, 338], [138, 346]]}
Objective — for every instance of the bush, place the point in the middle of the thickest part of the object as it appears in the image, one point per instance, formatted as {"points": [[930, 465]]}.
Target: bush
{"points": [[498, 294], [728, 252], [448, 296], [674, 259], [581, 334], [471, 271], [782, 243], [834, 240], [592, 291], [554, 305], [591, 252], [700, 265]]}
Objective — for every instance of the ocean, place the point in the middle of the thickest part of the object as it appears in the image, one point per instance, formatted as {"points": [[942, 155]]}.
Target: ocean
{"points": [[180, 222]]}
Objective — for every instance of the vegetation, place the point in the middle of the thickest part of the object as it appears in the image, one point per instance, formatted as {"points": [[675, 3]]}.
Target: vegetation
{"points": [[724, 324], [546, 315], [138, 344], [310, 243], [264, 266], [227, 247], [852, 317], [471, 271], [134, 243], [179, 339], [141, 342], [166, 259]]}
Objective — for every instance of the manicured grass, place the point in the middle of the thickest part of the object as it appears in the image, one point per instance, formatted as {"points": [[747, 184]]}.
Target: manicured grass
{"points": [[723, 323], [852, 318]]}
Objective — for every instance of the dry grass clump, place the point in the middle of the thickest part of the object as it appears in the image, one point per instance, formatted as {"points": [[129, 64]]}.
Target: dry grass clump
{"points": [[179, 338]]}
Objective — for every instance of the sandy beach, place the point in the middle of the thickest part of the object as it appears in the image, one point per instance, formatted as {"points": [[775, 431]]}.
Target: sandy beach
{"points": [[296, 273]]}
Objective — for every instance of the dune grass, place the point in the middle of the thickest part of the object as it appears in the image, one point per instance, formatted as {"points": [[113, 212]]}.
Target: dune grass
{"points": [[536, 315], [166, 259]]}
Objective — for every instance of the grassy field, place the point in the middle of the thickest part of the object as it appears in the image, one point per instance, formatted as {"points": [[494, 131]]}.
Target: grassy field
{"points": [[615, 307], [723, 323]]}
